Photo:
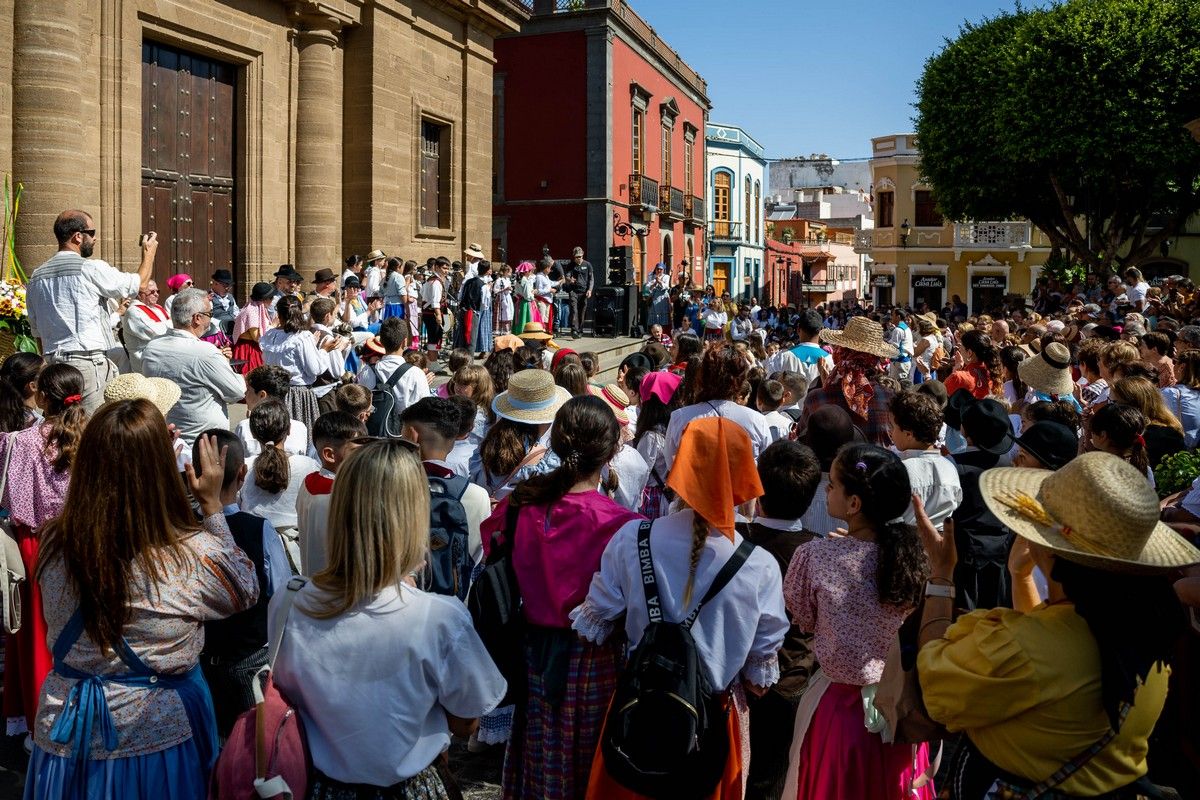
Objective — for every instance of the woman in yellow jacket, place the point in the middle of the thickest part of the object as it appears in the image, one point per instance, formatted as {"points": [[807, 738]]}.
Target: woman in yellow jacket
{"points": [[1060, 696]]}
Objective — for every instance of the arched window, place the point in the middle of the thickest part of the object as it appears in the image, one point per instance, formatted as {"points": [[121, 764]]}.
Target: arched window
{"points": [[721, 204], [757, 211], [668, 255], [747, 218]]}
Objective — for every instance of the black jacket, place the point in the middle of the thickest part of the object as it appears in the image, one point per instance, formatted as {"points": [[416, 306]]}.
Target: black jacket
{"points": [[584, 280]]}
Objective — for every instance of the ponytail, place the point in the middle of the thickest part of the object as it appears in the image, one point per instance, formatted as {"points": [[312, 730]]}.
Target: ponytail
{"points": [[699, 538], [269, 425], [62, 386]]}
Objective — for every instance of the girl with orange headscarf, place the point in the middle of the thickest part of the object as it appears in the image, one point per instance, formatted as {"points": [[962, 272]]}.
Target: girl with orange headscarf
{"points": [[738, 632]]}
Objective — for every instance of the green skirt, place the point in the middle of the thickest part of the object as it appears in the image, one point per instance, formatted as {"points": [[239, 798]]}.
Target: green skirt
{"points": [[521, 317]]}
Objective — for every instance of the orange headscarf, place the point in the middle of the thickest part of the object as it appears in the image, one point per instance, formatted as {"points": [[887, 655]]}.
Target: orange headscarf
{"points": [[714, 470]]}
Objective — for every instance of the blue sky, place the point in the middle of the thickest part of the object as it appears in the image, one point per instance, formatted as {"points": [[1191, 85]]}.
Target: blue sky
{"points": [[812, 77]]}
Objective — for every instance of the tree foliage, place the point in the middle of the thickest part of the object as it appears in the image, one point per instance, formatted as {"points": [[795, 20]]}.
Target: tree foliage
{"points": [[1071, 116]]}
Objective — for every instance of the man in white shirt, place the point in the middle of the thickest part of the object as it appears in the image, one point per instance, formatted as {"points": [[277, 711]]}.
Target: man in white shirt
{"points": [[203, 373], [901, 337], [412, 386], [433, 292], [67, 299], [1136, 289], [740, 327], [808, 358], [143, 321]]}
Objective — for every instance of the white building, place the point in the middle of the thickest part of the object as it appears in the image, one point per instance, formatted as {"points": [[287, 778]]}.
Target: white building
{"points": [[737, 175]]}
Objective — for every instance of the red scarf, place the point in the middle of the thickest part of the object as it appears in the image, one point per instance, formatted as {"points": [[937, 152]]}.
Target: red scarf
{"points": [[153, 312], [850, 369], [316, 483]]}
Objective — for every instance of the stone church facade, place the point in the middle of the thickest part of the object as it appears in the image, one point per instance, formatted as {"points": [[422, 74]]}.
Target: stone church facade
{"points": [[251, 133]]}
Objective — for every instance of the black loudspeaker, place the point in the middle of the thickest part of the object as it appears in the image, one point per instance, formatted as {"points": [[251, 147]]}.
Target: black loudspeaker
{"points": [[620, 265], [609, 315]]}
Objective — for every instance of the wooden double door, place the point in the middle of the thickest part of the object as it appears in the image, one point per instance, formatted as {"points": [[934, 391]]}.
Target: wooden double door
{"points": [[189, 190]]}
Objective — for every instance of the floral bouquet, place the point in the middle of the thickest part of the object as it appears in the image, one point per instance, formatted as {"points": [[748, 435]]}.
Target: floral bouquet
{"points": [[15, 333]]}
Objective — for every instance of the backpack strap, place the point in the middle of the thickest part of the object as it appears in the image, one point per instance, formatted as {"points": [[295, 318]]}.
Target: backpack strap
{"points": [[649, 583], [723, 578], [395, 377], [534, 456], [294, 585]]}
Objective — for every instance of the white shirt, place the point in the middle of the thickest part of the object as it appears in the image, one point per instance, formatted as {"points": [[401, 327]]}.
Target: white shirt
{"points": [[817, 518], [431, 293], [459, 458], [739, 329], [296, 444], [632, 474], [809, 366], [748, 418], [380, 716], [207, 382], [66, 298], [412, 386], [295, 352], [780, 425], [279, 507], [373, 276], [141, 323], [902, 338], [713, 319], [935, 479], [1136, 295], [739, 631]]}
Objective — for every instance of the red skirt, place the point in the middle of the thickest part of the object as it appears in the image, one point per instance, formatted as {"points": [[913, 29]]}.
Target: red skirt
{"points": [[27, 659], [248, 352], [841, 758]]}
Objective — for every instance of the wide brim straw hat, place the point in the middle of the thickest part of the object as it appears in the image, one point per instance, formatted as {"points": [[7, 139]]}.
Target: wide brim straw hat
{"points": [[861, 334], [532, 397], [376, 255], [163, 393], [1049, 372], [474, 250], [1097, 510], [534, 330]]}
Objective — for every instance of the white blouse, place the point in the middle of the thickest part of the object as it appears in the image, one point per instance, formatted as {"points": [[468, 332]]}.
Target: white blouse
{"points": [[374, 685], [632, 474], [754, 423], [739, 632]]}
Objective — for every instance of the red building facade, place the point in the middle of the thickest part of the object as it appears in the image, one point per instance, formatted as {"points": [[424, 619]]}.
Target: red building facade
{"points": [[599, 141]]}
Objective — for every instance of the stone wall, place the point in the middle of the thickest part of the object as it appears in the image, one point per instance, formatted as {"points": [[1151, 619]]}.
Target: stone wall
{"points": [[328, 106]]}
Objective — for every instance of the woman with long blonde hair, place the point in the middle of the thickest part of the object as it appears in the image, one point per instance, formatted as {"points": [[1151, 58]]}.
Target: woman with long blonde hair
{"points": [[360, 633]]}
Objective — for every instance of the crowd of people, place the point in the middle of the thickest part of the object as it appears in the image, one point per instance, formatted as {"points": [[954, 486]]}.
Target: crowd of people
{"points": [[796, 552]]}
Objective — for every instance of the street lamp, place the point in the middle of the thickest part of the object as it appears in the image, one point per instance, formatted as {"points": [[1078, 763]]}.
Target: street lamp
{"points": [[904, 228]]}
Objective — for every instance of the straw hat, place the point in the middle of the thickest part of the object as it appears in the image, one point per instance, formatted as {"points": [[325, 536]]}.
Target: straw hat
{"points": [[375, 255], [474, 251], [617, 400], [135, 386], [1049, 372], [1097, 510], [531, 397], [534, 330], [863, 335]]}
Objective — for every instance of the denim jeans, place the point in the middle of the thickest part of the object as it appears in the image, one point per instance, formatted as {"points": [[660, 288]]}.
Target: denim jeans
{"points": [[562, 319]]}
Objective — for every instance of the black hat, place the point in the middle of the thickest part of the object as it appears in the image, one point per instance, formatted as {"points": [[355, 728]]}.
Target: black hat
{"points": [[959, 402], [261, 291], [986, 422], [285, 271], [352, 282], [223, 276], [324, 276], [1051, 443]]}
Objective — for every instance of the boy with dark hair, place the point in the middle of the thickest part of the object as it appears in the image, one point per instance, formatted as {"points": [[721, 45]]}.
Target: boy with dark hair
{"points": [[795, 386], [262, 383], [916, 422], [768, 399], [411, 383], [236, 648], [435, 425], [333, 437], [790, 474]]}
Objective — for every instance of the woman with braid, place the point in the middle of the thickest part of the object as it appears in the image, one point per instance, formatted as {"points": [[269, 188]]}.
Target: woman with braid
{"points": [[561, 529], [739, 631]]}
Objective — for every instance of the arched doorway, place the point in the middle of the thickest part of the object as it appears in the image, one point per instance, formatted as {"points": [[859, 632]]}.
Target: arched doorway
{"points": [[687, 268], [668, 252]]}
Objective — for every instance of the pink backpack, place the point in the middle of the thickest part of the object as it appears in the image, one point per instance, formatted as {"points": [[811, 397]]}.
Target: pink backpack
{"points": [[266, 756]]}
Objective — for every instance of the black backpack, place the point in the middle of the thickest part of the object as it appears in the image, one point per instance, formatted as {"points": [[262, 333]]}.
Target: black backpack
{"points": [[665, 735], [385, 419], [494, 603], [448, 568]]}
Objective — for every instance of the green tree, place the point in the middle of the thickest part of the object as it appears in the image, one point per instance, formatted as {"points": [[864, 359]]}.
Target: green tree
{"points": [[1073, 117]]}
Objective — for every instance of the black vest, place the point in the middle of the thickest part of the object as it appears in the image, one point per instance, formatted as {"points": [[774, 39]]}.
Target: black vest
{"points": [[237, 637]]}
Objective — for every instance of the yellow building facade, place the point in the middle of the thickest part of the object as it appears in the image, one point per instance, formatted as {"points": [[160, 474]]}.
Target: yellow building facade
{"points": [[920, 259]]}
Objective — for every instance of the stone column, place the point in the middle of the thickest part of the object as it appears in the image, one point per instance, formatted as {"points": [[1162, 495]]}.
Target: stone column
{"points": [[48, 146], [318, 140]]}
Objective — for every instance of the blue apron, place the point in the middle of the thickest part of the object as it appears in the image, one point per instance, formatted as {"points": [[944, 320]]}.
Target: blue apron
{"points": [[87, 707]]}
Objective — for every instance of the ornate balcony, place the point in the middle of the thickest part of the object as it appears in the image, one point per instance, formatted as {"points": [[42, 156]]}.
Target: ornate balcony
{"points": [[643, 192], [991, 235], [671, 201], [693, 211]]}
